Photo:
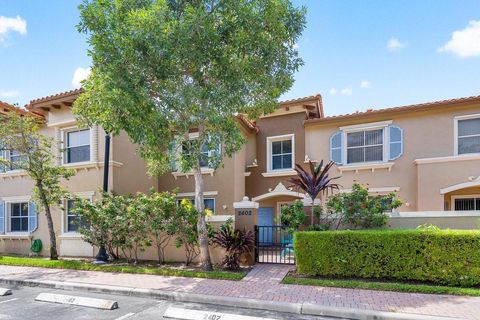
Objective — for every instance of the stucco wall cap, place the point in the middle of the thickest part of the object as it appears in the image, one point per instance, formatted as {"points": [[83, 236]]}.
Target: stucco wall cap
{"points": [[245, 204]]}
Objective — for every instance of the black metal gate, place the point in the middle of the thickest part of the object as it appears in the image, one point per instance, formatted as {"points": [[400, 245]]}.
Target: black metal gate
{"points": [[273, 244]]}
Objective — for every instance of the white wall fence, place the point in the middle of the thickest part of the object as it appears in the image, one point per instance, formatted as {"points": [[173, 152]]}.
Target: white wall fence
{"points": [[443, 219]]}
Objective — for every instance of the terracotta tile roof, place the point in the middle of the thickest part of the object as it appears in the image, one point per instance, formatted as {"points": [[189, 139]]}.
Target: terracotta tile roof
{"points": [[413, 107], [6, 107], [60, 95], [302, 99], [250, 125]]}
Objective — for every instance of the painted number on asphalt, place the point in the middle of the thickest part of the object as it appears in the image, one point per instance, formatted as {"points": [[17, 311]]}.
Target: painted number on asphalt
{"points": [[212, 317]]}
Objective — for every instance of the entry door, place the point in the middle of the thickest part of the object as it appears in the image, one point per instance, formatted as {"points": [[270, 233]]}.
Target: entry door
{"points": [[265, 218]]}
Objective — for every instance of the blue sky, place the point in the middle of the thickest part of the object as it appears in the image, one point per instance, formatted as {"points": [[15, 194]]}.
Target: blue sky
{"points": [[358, 54]]}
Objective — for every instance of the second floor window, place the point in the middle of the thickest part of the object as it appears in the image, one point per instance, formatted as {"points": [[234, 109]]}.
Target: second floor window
{"points": [[77, 146], [280, 152], [365, 146], [469, 136]]}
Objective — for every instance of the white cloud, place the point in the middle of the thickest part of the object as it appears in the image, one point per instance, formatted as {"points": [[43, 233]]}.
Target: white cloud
{"points": [[464, 43], [79, 75], [346, 91], [7, 94], [8, 25], [395, 45], [333, 92], [365, 84]]}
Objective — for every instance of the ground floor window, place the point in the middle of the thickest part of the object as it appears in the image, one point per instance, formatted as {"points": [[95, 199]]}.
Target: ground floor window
{"points": [[209, 203], [19, 217], [467, 203]]}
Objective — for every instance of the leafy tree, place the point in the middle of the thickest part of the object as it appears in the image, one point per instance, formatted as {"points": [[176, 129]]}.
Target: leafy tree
{"points": [[359, 209], [162, 68], [314, 182], [159, 208], [19, 133], [186, 234], [293, 216]]}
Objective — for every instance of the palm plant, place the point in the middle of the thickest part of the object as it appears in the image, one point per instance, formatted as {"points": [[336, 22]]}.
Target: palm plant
{"points": [[235, 243], [314, 182]]}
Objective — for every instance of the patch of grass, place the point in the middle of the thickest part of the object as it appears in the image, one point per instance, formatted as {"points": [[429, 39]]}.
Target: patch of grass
{"points": [[83, 265], [384, 286]]}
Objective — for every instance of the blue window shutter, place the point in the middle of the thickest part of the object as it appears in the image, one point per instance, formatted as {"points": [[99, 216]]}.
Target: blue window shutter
{"points": [[395, 137], [336, 147], [32, 216], [2, 217]]}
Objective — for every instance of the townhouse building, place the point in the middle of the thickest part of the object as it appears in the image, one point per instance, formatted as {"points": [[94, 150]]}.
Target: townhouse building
{"points": [[429, 154]]}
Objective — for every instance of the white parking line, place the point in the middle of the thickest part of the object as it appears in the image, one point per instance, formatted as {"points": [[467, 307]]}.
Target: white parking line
{"points": [[128, 315], [9, 300]]}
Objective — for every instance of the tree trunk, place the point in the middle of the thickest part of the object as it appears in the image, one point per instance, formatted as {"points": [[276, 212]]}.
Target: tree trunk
{"points": [[205, 261], [313, 203], [51, 230]]}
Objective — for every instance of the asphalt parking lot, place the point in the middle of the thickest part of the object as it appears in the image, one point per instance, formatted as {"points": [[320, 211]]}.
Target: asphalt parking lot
{"points": [[21, 305]]}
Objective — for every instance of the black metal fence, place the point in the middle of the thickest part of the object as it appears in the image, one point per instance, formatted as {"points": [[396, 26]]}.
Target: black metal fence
{"points": [[273, 244]]}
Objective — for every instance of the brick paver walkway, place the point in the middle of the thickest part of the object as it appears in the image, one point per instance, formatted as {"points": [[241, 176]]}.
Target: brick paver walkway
{"points": [[263, 283]]}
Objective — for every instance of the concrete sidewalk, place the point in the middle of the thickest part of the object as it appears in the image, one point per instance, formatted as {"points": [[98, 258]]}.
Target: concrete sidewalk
{"points": [[261, 288]]}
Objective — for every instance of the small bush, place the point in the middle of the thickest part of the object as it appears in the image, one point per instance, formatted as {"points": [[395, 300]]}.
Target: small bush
{"points": [[447, 257]]}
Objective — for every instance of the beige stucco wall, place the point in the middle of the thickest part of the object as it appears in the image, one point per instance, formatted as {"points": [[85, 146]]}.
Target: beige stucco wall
{"points": [[459, 222], [426, 135]]}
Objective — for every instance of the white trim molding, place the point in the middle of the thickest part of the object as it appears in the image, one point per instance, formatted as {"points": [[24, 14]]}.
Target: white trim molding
{"points": [[245, 204], [220, 218], [366, 166], [279, 173], [433, 214], [192, 194], [466, 157], [366, 126], [177, 174], [375, 190], [462, 185], [279, 190]]}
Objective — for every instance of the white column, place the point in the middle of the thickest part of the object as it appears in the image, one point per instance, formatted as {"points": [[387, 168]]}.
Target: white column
{"points": [[94, 143], [57, 145]]}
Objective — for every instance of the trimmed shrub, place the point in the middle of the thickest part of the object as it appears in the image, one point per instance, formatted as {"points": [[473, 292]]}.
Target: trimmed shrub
{"points": [[447, 257]]}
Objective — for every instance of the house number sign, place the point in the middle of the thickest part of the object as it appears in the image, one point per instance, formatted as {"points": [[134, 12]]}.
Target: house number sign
{"points": [[245, 212]]}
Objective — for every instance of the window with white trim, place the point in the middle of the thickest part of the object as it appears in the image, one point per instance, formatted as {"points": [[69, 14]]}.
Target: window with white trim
{"points": [[468, 135], [280, 152], [18, 216], [466, 203], [13, 158], [205, 152], [77, 146], [365, 146], [73, 220], [366, 143], [209, 203]]}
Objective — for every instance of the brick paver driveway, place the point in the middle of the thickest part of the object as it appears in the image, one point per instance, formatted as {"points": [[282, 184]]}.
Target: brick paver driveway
{"points": [[263, 283]]}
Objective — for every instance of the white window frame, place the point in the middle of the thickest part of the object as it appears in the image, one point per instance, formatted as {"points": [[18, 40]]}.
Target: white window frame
{"points": [[366, 127], [455, 130], [64, 135], [84, 195], [193, 136], [462, 196], [179, 199], [269, 151], [8, 222]]}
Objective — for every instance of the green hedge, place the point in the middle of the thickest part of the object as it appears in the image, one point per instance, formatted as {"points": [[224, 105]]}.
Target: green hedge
{"points": [[447, 257]]}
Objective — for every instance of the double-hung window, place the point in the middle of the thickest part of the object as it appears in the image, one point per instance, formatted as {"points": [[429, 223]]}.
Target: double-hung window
{"points": [[280, 152], [206, 151], [73, 220], [208, 203], [365, 146], [468, 135], [77, 146], [19, 217]]}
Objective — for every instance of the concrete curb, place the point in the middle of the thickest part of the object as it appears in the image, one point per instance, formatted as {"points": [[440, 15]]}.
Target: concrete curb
{"points": [[297, 308]]}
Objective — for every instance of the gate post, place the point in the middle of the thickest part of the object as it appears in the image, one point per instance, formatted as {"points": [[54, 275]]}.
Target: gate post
{"points": [[246, 213]]}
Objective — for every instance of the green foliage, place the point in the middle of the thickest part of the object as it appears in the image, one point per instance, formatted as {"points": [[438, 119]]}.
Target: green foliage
{"points": [[178, 65], [428, 227], [159, 209], [20, 133], [235, 243], [115, 221], [186, 231], [381, 285], [87, 265], [358, 209], [446, 257], [293, 216]]}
